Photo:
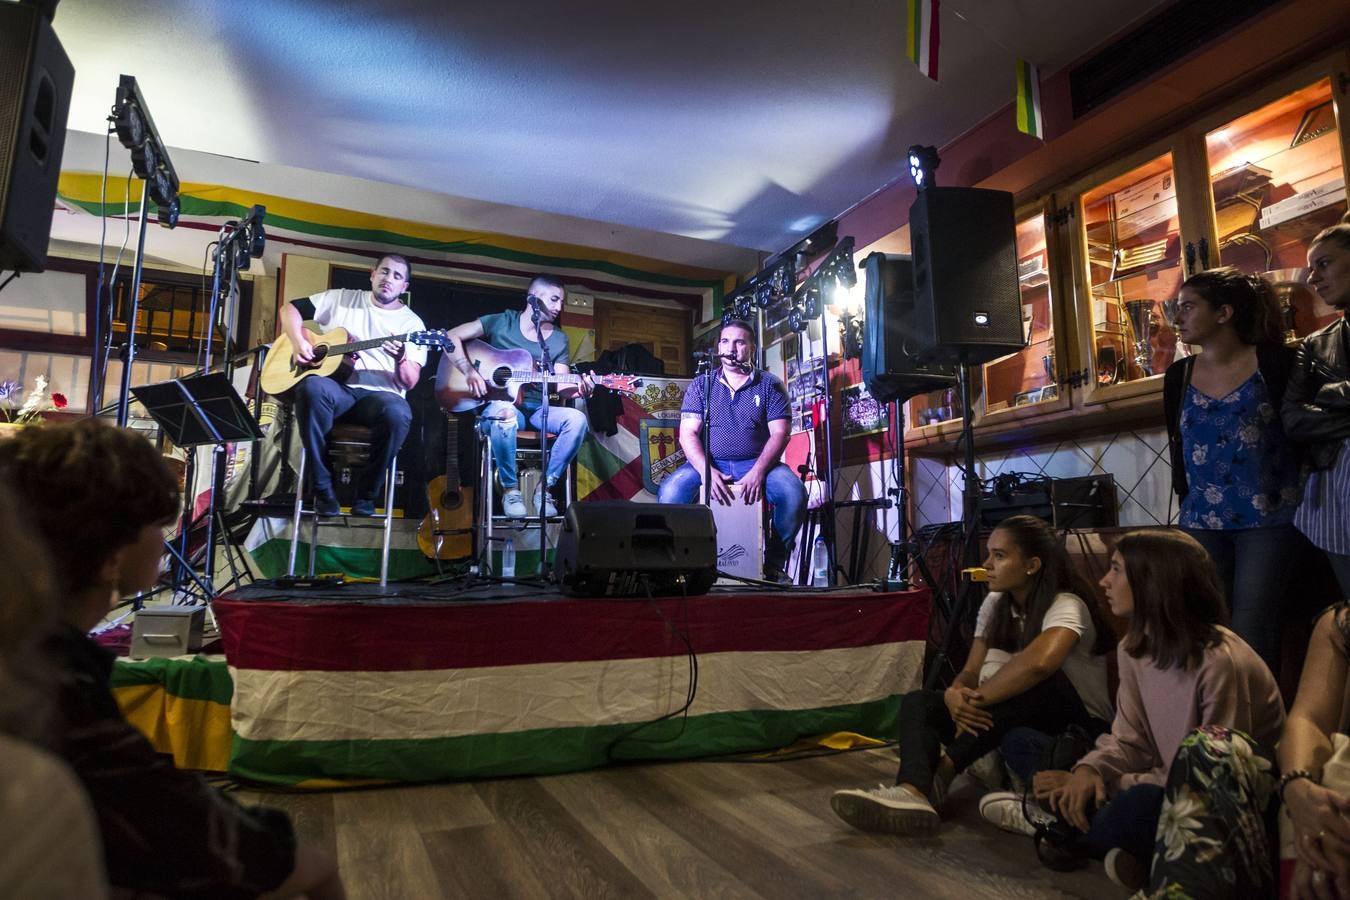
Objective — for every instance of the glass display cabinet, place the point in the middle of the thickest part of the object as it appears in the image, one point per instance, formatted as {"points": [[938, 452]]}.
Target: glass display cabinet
{"points": [[1277, 178], [1027, 380]]}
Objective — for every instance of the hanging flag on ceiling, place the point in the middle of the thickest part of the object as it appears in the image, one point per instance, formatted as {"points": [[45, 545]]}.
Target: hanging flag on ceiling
{"points": [[1029, 120], [922, 43]]}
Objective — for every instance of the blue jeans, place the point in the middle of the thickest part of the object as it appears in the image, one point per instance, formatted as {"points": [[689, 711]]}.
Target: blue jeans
{"points": [[1129, 820], [501, 419], [1255, 565], [784, 491], [321, 401]]}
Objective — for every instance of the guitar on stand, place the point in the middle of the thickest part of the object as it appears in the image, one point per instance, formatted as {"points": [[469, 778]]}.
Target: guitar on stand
{"points": [[507, 372], [334, 356], [447, 530]]}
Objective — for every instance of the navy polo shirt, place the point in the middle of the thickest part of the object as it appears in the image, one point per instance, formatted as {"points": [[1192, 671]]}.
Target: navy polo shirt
{"points": [[738, 421]]}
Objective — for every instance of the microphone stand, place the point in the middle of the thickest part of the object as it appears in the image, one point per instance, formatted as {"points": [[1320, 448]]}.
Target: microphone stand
{"points": [[546, 366], [707, 428]]}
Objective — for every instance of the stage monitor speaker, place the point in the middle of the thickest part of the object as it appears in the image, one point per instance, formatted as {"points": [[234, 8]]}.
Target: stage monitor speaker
{"points": [[966, 300], [617, 548], [36, 79], [889, 367]]}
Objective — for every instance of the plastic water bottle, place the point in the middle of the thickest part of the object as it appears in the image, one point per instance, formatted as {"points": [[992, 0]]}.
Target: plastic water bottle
{"points": [[509, 559], [820, 563]]}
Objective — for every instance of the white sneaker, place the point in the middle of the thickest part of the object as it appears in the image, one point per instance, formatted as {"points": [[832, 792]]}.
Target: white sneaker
{"points": [[513, 504], [1125, 869], [550, 508], [1004, 809], [887, 808]]}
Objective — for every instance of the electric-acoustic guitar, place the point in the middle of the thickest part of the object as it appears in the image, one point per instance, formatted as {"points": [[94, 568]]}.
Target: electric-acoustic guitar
{"points": [[447, 530], [334, 356], [507, 372]]}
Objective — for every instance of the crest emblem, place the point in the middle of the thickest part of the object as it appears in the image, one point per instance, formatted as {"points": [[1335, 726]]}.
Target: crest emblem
{"points": [[659, 440]]}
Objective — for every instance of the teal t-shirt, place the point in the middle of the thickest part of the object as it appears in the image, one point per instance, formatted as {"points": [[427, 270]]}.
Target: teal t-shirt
{"points": [[502, 330]]}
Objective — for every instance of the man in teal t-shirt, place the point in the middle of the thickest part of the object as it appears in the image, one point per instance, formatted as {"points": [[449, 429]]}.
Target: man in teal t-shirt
{"points": [[515, 330]]}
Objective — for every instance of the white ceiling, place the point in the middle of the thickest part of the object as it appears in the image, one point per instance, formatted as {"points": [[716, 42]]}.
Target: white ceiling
{"points": [[737, 123]]}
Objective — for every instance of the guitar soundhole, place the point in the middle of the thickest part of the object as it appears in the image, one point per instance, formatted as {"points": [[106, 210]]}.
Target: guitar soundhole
{"points": [[452, 499], [320, 353], [500, 376]]}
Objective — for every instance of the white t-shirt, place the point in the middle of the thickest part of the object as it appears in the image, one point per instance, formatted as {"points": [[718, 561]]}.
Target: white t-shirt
{"points": [[1086, 672], [356, 311]]}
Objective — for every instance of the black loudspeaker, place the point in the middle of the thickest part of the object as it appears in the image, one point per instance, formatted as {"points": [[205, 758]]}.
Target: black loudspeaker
{"points": [[616, 548], [967, 307], [889, 367], [36, 78]]}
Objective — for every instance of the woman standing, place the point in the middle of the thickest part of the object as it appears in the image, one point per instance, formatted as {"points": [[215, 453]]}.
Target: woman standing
{"points": [[1037, 661], [1235, 472]]}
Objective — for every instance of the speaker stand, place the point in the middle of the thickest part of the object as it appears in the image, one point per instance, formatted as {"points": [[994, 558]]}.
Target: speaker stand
{"points": [[970, 512]]}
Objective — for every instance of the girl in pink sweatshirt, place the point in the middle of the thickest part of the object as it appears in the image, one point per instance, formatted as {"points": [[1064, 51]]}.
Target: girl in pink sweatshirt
{"points": [[1197, 714]]}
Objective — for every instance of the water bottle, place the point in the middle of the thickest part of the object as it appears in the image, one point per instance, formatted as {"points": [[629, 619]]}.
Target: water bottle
{"points": [[509, 559], [820, 564]]}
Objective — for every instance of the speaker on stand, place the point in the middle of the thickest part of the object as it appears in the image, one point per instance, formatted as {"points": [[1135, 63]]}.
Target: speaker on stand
{"points": [[36, 79], [968, 311]]}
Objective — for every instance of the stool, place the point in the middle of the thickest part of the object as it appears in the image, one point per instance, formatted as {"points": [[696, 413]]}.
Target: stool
{"points": [[527, 450], [351, 444]]}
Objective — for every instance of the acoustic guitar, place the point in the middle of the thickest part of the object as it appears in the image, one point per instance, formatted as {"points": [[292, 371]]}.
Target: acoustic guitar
{"points": [[507, 372], [334, 353], [446, 531]]}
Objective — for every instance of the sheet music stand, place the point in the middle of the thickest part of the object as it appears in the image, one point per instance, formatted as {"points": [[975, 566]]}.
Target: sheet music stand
{"points": [[200, 409]]}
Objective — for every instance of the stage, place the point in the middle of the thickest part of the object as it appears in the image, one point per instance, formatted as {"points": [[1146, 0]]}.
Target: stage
{"points": [[426, 682]]}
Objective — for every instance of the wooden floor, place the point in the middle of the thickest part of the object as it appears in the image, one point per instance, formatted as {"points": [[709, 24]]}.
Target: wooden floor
{"points": [[693, 829]]}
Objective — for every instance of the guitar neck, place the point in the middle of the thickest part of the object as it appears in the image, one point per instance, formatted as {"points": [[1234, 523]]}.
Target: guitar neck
{"points": [[536, 377], [358, 346]]}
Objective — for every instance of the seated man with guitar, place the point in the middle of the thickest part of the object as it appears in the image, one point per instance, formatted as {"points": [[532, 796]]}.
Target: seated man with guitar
{"points": [[373, 394], [748, 424], [511, 387]]}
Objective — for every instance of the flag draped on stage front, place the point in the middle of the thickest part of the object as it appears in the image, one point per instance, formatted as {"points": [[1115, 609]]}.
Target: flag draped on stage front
{"points": [[921, 43], [1029, 120]]}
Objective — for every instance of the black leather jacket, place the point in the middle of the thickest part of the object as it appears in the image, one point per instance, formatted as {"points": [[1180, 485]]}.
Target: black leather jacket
{"points": [[1316, 409]]}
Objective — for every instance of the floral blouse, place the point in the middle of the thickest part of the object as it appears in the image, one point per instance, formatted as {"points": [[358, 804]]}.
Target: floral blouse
{"points": [[1240, 469]]}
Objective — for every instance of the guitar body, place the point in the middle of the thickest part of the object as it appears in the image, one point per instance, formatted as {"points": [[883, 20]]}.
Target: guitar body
{"points": [[281, 373], [446, 531], [496, 367], [507, 372]]}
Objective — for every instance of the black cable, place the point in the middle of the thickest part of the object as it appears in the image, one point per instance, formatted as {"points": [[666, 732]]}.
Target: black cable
{"points": [[12, 276], [683, 711]]}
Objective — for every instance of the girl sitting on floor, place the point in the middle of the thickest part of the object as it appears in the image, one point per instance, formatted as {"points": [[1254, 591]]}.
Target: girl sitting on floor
{"points": [[1042, 631], [1197, 711]]}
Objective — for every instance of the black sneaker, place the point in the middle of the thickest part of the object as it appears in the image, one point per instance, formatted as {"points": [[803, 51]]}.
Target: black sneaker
{"points": [[326, 504], [363, 507]]}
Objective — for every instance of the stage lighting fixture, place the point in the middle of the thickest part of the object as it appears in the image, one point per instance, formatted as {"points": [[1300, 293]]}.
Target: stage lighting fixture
{"points": [[149, 159], [811, 301], [764, 295], [249, 239], [796, 319], [923, 163]]}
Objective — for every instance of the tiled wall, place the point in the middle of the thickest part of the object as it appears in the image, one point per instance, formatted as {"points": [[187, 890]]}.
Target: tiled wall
{"points": [[1138, 460]]}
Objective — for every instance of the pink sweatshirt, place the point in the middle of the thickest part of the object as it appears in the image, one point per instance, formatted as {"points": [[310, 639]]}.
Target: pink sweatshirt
{"points": [[1157, 708]]}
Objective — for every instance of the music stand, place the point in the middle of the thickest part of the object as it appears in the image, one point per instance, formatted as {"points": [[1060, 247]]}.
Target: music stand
{"points": [[200, 409]]}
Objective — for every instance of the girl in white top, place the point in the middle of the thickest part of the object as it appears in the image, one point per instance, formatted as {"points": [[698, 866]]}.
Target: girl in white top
{"points": [[1043, 620]]}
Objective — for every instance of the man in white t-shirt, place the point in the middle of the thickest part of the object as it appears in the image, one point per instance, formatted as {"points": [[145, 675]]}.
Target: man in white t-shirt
{"points": [[374, 394]]}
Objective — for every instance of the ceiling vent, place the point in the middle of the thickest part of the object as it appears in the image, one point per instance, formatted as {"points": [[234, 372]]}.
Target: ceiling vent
{"points": [[1162, 40]]}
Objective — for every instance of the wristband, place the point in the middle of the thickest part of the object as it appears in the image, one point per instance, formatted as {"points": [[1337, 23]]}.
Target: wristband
{"points": [[1290, 777]]}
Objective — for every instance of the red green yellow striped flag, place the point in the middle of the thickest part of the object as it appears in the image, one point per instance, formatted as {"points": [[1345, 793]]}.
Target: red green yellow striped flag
{"points": [[1029, 120], [921, 44]]}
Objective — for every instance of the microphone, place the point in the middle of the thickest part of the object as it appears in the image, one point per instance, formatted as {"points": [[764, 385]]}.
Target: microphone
{"points": [[709, 354], [535, 302]]}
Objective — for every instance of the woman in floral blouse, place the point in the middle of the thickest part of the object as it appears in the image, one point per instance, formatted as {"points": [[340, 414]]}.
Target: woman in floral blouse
{"points": [[1236, 474]]}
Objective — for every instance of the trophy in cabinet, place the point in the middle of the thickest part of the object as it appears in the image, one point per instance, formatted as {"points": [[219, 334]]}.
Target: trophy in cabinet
{"points": [[1287, 283], [1170, 308], [1144, 323]]}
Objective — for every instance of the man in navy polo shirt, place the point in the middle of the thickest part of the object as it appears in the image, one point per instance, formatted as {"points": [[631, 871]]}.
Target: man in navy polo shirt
{"points": [[748, 419]]}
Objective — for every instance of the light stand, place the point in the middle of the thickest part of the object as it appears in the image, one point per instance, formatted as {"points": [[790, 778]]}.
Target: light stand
{"points": [[150, 160], [898, 571]]}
